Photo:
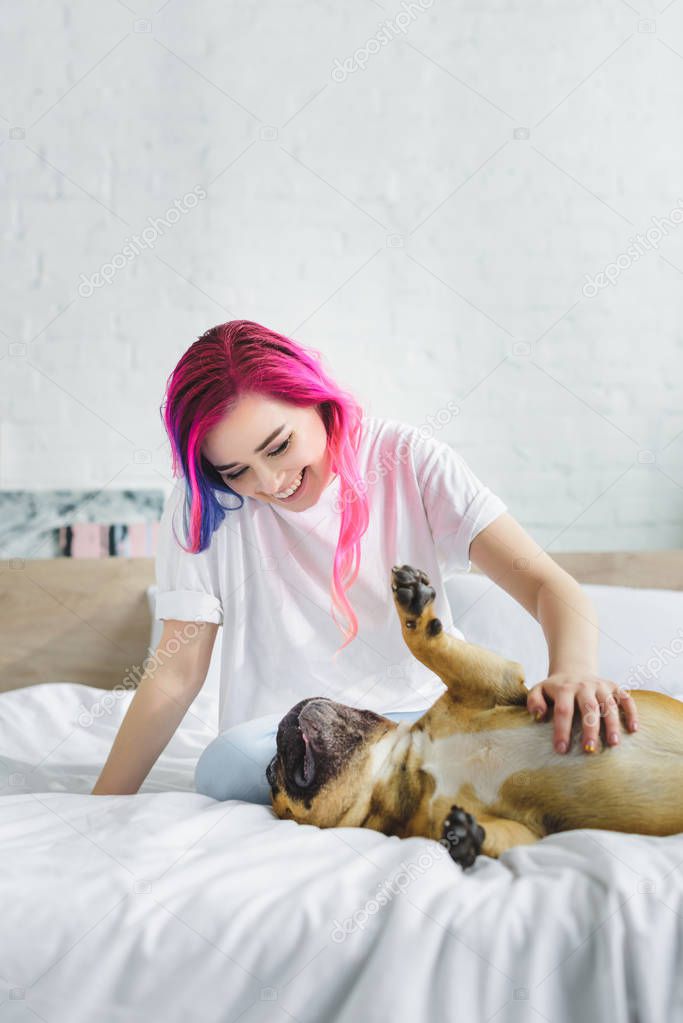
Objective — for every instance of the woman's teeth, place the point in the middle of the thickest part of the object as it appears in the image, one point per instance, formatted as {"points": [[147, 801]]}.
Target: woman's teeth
{"points": [[295, 486]]}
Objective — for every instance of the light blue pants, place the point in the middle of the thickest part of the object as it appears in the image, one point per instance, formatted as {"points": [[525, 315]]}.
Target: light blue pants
{"points": [[233, 765]]}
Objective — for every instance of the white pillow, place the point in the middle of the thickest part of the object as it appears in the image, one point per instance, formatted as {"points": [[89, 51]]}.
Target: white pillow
{"points": [[641, 631], [641, 637], [205, 704]]}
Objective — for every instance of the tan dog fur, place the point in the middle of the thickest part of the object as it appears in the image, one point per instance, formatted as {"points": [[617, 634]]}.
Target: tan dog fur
{"points": [[478, 749]]}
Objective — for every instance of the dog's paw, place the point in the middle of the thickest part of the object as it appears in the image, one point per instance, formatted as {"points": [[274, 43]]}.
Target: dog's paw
{"points": [[414, 594], [462, 836]]}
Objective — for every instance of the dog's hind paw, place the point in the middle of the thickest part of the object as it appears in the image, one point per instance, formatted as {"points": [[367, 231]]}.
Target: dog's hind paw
{"points": [[462, 836]]}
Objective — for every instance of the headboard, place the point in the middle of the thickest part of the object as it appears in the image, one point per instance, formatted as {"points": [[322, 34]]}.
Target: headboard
{"points": [[73, 619], [87, 620]]}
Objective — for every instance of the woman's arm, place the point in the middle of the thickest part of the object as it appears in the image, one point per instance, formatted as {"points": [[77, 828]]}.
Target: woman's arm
{"points": [[166, 690], [513, 560]]}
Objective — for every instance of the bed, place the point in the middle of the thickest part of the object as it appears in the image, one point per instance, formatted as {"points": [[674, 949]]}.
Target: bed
{"points": [[168, 905]]}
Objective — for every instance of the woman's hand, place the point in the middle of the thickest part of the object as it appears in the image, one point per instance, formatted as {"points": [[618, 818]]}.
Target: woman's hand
{"points": [[595, 698]]}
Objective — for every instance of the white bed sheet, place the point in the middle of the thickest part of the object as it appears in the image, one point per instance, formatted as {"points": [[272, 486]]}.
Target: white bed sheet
{"points": [[168, 905]]}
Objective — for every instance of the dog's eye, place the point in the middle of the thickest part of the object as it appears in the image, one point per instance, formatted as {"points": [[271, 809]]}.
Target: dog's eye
{"points": [[304, 773]]}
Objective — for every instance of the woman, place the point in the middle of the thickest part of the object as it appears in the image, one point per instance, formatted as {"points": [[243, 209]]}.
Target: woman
{"points": [[288, 497]]}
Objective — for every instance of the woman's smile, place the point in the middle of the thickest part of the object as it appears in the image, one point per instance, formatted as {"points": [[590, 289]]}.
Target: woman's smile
{"points": [[288, 493]]}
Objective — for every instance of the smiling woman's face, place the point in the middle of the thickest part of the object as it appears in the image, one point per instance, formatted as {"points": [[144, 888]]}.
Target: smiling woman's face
{"points": [[261, 447]]}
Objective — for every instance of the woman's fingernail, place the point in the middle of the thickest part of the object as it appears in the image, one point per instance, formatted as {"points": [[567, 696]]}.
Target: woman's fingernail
{"points": [[634, 726], [589, 746], [614, 738], [561, 747], [539, 715]]}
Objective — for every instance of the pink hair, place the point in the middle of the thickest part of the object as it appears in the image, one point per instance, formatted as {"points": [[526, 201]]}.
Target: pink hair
{"points": [[244, 357]]}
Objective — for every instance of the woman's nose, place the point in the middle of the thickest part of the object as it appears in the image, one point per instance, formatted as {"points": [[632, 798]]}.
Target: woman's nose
{"points": [[271, 483]]}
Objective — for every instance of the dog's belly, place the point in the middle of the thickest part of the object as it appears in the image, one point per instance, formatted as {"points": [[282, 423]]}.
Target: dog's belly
{"points": [[515, 772]]}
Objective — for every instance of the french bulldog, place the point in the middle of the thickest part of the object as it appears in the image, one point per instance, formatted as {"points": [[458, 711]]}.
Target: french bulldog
{"points": [[475, 772]]}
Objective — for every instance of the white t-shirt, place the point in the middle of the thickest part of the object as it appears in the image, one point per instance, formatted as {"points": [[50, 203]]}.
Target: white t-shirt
{"points": [[266, 578]]}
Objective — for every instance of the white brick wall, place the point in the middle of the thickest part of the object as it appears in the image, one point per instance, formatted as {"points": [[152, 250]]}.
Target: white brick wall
{"points": [[428, 221]]}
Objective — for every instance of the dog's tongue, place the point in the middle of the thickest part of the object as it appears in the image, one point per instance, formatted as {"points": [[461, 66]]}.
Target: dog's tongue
{"points": [[309, 763]]}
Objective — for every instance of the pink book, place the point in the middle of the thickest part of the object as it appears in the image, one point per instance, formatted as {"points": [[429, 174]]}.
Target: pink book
{"points": [[88, 540], [93, 540]]}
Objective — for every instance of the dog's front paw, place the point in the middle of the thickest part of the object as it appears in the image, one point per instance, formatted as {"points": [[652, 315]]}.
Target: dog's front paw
{"points": [[462, 836], [414, 594]]}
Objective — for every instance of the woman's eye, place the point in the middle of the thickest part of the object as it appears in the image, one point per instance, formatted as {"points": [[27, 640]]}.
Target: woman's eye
{"points": [[278, 451], [283, 447]]}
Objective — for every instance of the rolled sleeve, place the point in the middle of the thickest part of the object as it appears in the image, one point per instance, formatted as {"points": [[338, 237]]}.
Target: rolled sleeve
{"points": [[457, 504], [188, 585], [189, 605]]}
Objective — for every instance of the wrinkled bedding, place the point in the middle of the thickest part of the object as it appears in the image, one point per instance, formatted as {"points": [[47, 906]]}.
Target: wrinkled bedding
{"points": [[170, 906]]}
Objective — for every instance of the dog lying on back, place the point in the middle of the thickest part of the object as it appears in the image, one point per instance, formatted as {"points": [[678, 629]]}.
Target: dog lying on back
{"points": [[474, 772]]}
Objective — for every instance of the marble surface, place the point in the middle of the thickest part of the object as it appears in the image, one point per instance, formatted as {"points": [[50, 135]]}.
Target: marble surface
{"points": [[30, 520]]}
